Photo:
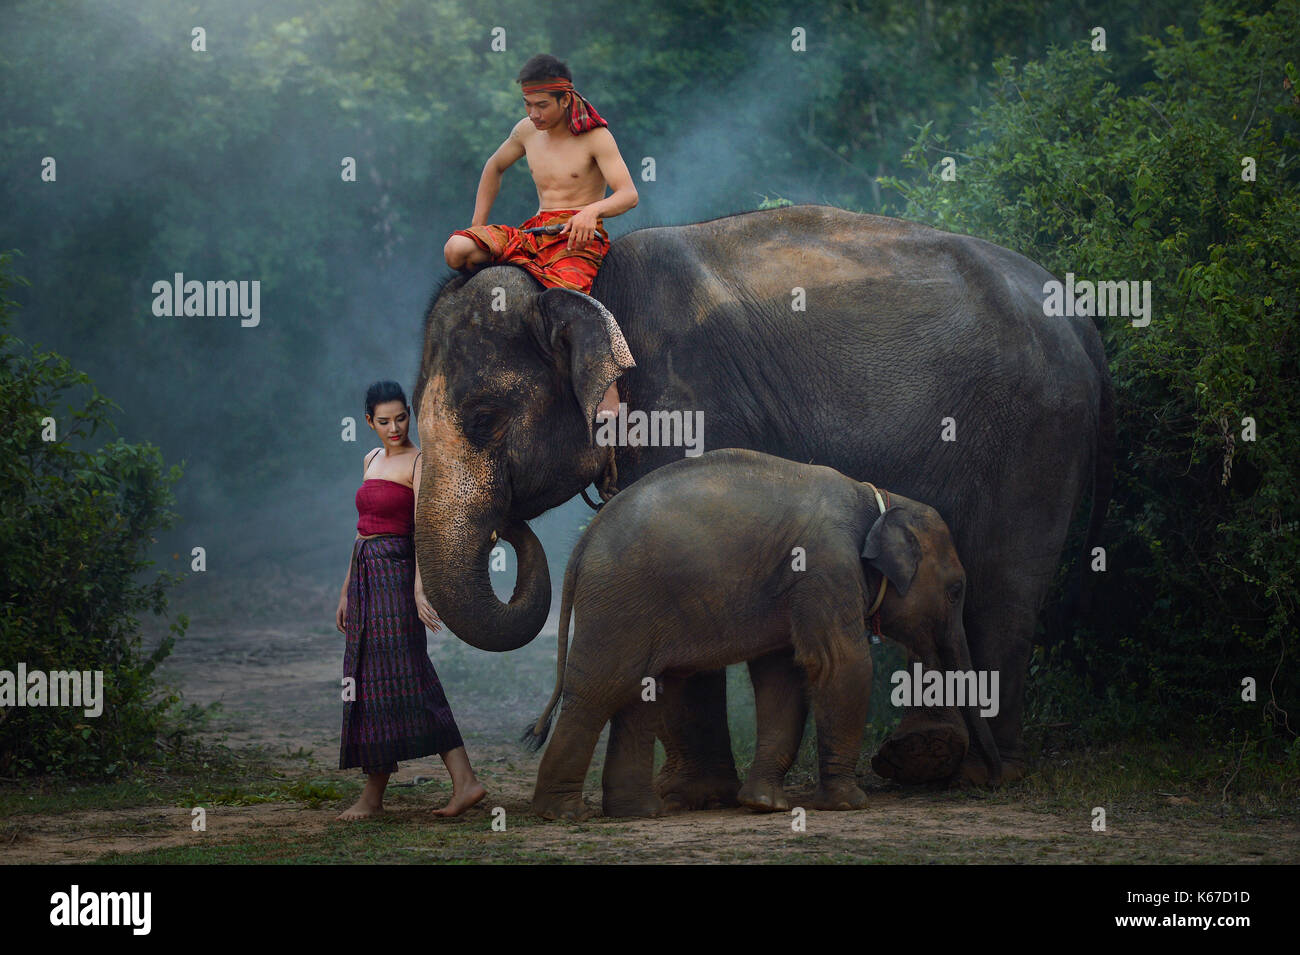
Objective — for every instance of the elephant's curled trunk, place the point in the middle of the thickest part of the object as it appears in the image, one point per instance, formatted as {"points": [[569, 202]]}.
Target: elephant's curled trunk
{"points": [[460, 589]]}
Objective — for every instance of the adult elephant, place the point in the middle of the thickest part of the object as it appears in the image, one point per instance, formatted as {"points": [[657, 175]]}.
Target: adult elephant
{"points": [[916, 359]]}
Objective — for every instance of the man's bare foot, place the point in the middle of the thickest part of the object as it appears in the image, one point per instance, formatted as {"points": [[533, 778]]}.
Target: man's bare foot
{"points": [[608, 407], [463, 800], [361, 809]]}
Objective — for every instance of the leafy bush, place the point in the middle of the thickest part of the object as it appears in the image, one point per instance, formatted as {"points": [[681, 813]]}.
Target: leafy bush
{"points": [[74, 527], [1202, 541]]}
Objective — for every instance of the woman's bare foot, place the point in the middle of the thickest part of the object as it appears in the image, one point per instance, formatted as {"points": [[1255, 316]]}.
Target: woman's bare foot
{"points": [[460, 801], [370, 802], [361, 809]]}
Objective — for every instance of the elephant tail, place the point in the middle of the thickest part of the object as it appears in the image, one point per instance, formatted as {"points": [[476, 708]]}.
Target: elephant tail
{"points": [[535, 733]]}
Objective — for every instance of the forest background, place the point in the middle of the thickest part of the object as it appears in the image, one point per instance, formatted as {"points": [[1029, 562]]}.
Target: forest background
{"points": [[1123, 159]]}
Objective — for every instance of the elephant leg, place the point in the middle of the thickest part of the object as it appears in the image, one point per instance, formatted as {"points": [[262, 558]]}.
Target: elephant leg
{"points": [[629, 762], [700, 771], [840, 706], [1008, 656], [558, 793], [1005, 597], [840, 709], [781, 705], [927, 746]]}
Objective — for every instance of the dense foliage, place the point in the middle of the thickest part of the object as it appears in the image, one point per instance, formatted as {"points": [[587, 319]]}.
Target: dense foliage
{"points": [[1200, 589], [75, 524]]}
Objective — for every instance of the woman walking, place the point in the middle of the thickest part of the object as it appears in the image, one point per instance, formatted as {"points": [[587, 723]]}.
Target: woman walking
{"points": [[397, 709]]}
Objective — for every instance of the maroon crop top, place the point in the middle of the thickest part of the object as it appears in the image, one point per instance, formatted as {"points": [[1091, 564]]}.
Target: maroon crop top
{"points": [[385, 507]]}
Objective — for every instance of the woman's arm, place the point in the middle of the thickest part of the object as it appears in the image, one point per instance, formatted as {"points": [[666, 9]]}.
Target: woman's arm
{"points": [[347, 578], [365, 466], [340, 615]]}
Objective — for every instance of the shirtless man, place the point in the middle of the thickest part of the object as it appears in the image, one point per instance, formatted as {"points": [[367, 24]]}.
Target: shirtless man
{"points": [[573, 158]]}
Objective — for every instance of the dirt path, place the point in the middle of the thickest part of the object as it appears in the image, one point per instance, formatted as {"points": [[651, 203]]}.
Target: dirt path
{"points": [[897, 827], [278, 686]]}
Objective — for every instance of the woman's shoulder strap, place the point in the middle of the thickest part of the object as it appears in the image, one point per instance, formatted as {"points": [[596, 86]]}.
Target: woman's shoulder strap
{"points": [[370, 457], [415, 464]]}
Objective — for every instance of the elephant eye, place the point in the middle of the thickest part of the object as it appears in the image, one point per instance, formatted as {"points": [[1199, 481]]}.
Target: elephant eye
{"points": [[486, 423], [954, 591]]}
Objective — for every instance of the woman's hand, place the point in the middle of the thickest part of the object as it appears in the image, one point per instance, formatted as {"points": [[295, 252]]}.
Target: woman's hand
{"points": [[341, 615], [426, 611]]}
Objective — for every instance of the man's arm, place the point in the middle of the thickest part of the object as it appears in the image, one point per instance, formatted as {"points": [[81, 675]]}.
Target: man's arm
{"points": [[489, 184], [582, 227], [610, 162]]}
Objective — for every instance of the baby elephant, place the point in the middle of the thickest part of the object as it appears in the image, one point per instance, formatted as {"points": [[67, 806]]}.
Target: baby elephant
{"points": [[739, 556]]}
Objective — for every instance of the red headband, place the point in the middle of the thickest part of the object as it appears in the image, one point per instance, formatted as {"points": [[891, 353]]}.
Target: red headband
{"points": [[547, 86], [582, 115]]}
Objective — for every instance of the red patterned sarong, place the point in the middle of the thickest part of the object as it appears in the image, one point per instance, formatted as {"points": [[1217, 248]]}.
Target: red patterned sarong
{"points": [[400, 711], [546, 257]]}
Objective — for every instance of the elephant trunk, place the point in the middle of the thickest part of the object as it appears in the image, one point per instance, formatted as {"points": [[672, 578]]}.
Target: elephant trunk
{"points": [[454, 571], [975, 723]]}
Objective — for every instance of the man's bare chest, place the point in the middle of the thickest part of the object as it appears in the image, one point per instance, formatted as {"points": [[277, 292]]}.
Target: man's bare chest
{"points": [[567, 164]]}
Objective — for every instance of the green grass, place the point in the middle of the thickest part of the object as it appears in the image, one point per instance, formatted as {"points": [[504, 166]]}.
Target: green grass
{"points": [[406, 834], [178, 774], [1158, 774], [313, 793]]}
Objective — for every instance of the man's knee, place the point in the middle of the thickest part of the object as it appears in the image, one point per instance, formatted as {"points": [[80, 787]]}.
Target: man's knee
{"points": [[463, 253], [455, 251]]}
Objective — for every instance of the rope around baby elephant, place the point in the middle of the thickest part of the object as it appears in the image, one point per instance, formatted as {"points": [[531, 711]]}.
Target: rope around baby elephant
{"points": [[874, 612]]}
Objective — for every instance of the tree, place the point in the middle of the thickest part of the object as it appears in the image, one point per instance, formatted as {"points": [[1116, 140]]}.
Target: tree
{"points": [[1199, 592], [74, 524]]}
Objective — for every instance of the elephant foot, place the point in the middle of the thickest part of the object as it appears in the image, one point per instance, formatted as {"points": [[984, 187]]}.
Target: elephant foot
{"points": [[839, 795], [571, 808], [921, 753], [682, 793], [763, 796], [976, 772], [646, 804]]}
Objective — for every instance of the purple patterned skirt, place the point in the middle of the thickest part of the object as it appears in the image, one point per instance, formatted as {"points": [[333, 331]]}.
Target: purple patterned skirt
{"points": [[400, 711]]}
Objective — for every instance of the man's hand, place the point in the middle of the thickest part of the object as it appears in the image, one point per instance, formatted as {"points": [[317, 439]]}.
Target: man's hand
{"points": [[581, 229]]}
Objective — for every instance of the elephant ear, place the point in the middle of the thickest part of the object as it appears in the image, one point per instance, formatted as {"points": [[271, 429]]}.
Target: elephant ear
{"points": [[587, 343], [893, 549]]}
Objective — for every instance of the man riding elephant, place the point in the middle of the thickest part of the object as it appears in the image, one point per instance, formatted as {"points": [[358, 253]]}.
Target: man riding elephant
{"points": [[573, 158]]}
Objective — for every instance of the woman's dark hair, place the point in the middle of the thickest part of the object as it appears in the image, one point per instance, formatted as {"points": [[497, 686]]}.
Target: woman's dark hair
{"points": [[543, 66], [382, 391]]}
